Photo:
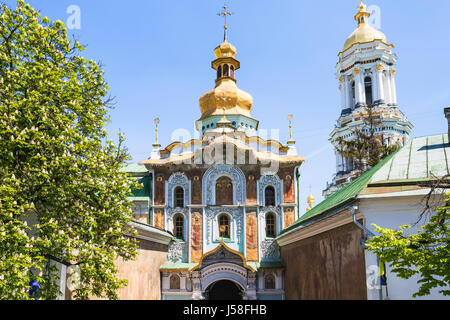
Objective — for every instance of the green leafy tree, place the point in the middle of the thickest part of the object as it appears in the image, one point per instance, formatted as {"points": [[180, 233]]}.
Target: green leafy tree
{"points": [[366, 149], [63, 196], [425, 253]]}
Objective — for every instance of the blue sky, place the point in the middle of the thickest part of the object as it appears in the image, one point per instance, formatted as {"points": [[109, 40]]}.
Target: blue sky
{"points": [[157, 54]]}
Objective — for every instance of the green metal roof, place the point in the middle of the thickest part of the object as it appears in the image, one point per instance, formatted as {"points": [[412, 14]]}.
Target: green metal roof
{"points": [[141, 174], [146, 198], [134, 168], [420, 159], [177, 266]]}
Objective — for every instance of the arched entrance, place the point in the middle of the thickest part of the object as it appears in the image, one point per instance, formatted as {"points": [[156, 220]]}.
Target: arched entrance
{"points": [[224, 290]]}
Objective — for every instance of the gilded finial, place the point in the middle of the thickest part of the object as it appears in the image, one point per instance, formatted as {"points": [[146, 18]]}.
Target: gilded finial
{"points": [[311, 200], [156, 144], [362, 14], [225, 13], [290, 118]]}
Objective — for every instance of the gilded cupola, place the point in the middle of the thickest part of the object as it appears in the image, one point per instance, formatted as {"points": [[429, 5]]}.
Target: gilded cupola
{"points": [[226, 98], [365, 32]]}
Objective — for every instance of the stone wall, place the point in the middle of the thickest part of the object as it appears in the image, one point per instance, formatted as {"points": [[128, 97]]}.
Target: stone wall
{"points": [[329, 266], [143, 275]]}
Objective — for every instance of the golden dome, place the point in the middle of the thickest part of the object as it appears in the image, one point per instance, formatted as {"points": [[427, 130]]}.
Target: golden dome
{"points": [[225, 49], [311, 198], [226, 98], [365, 32]]}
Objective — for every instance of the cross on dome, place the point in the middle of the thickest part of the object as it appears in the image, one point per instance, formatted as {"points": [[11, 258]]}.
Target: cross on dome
{"points": [[225, 13]]}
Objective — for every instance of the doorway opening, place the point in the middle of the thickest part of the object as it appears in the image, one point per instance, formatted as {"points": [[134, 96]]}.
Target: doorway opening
{"points": [[224, 290]]}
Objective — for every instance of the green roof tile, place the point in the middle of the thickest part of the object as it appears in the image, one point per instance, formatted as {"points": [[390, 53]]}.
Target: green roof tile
{"points": [[177, 266], [134, 168], [421, 159], [342, 196]]}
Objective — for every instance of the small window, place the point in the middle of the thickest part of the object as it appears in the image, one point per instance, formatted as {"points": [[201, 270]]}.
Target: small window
{"points": [[179, 197], [269, 197], [353, 94], [224, 226], [269, 282], [226, 70], [174, 282], [224, 191], [270, 225], [368, 88], [219, 72], [179, 227]]}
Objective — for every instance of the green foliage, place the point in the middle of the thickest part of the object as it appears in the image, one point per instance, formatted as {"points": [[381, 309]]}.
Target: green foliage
{"points": [[62, 192], [366, 149], [425, 253]]}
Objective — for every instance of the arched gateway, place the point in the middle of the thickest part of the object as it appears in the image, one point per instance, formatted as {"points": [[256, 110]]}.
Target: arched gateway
{"points": [[224, 290], [223, 274]]}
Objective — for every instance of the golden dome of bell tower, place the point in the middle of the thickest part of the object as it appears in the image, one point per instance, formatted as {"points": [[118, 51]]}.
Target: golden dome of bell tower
{"points": [[365, 32], [226, 98]]}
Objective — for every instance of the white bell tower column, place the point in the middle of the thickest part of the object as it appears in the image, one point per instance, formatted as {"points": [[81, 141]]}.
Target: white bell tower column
{"points": [[380, 85], [387, 85], [360, 91], [393, 88]]}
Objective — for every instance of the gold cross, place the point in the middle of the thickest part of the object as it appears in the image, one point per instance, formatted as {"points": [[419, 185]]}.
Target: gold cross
{"points": [[290, 118], [156, 144], [225, 13]]}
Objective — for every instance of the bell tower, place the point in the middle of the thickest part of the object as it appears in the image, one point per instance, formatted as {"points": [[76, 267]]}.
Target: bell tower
{"points": [[366, 70]]}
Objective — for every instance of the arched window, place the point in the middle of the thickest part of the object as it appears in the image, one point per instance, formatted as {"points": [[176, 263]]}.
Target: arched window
{"points": [[174, 282], [224, 191], [269, 196], [353, 94], [232, 71], [178, 226], [226, 71], [179, 197], [368, 87], [270, 225], [224, 226], [269, 282], [219, 72]]}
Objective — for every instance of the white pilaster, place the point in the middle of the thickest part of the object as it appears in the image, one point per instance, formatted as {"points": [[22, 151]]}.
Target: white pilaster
{"points": [[380, 85], [359, 86], [393, 87], [347, 96], [387, 86]]}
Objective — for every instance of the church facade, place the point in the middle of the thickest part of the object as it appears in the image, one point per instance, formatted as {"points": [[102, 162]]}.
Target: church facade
{"points": [[226, 205], [225, 197]]}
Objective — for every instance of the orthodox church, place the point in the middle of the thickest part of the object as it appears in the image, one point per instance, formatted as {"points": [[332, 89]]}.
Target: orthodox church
{"points": [[225, 197], [221, 215], [366, 72]]}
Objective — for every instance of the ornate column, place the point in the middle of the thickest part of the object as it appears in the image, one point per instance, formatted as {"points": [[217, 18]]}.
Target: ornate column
{"points": [[359, 88], [380, 85], [388, 91], [196, 286], [393, 88], [347, 93], [250, 293], [342, 90]]}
